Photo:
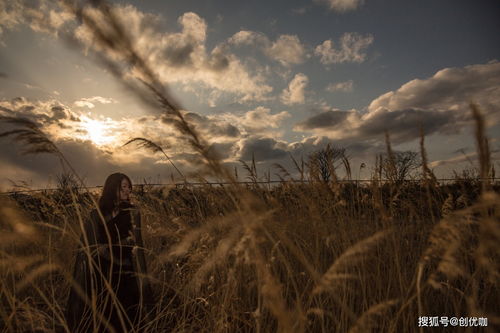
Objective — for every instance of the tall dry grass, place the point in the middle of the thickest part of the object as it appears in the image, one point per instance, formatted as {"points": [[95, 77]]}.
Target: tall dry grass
{"points": [[316, 256], [311, 256]]}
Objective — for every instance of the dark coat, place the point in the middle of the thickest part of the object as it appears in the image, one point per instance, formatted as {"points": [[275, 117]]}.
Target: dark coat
{"points": [[110, 287]]}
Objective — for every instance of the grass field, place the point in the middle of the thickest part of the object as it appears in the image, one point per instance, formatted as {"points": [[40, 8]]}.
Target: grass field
{"points": [[316, 257]]}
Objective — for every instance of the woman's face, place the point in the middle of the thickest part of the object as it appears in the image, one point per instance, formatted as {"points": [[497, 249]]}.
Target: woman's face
{"points": [[125, 189]]}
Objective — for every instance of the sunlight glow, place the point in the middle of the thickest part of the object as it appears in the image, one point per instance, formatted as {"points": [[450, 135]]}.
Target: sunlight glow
{"points": [[98, 131]]}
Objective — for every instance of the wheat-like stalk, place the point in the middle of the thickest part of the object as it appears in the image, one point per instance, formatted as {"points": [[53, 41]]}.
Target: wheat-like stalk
{"points": [[29, 134], [155, 148], [368, 321], [482, 147], [347, 259]]}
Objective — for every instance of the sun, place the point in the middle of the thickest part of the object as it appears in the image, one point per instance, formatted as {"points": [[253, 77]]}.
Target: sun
{"points": [[97, 131]]}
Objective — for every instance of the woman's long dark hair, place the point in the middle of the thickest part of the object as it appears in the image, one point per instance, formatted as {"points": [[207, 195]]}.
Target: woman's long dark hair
{"points": [[109, 198]]}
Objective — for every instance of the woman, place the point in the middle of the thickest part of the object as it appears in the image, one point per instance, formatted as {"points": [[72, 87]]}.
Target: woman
{"points": [[110, 292]]}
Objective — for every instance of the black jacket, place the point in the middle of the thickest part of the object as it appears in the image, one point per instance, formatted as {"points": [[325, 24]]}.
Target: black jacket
{"points": [[111, 250]]}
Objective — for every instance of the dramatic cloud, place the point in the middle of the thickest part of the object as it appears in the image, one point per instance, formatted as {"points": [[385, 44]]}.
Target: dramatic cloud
{"points": [[313, 143], [403, 125], [352, 49], [10, 15], [259, 121], [263, 149], [178, 57], [345, 86], [215, 128], [341, 6], [267, 151], [287, 49], [94, 144], [66, 129], [439, 104], [40, 15], [49, 113], [449, 89], [295, 93], [182, 57], [330, 119], [261, 117], [91, 145], [90, 162]]}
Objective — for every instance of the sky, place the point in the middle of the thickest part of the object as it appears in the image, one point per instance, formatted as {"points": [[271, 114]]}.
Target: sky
{"points": [[262, 79]]}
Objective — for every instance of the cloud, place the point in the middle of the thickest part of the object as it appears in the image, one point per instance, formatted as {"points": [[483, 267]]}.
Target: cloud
{"points": [[345, 86], [231, 127], [259, 121], [187, 48], [247, 37], [60, 122], [234, 135], [262, 148], [178, 57], [352, 49], [342, 6], [10, 14], [328, 119], [231, 136], [46, 113], [216, 129], [295, 93], [268, 150], [90, 102], [440, 104], [182, 57], [89, 161], [449, 89], [286, 49], [403, 125], [74, 134], [314, 142], [261, 117], [85, 104], [40, 15], [224, 151]]}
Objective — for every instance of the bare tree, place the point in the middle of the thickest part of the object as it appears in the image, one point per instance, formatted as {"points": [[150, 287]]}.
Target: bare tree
{"points": [[321, 163], [400, 165]]}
